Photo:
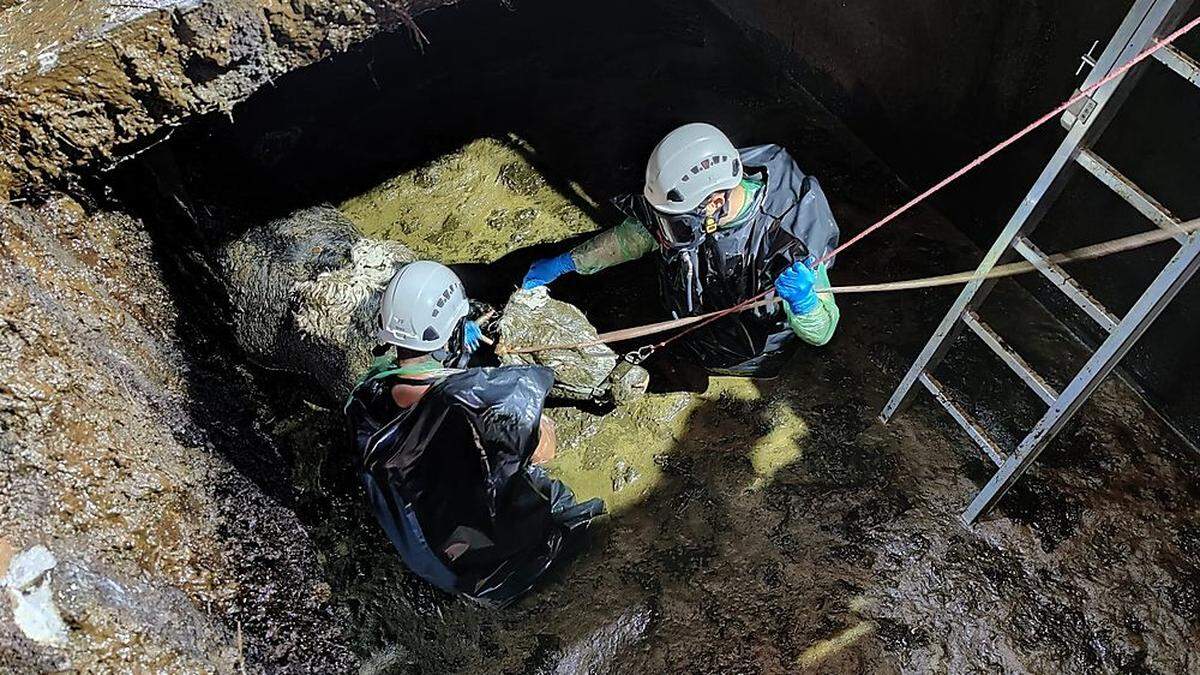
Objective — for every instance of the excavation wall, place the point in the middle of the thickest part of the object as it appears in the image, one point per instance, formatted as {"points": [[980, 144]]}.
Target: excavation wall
{"points": [[110, 463], [84, 84]]}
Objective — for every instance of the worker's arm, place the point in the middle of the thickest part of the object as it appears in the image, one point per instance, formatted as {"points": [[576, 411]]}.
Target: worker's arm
{"points": [[547, 441], [625, 242], [816, 325]]}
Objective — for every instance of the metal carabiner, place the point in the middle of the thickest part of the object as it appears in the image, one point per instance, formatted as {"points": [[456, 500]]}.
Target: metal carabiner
{"points": [[639, 355]]}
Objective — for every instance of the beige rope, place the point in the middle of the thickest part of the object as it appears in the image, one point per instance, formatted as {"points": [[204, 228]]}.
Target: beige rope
{"points": [[1011, 269]]}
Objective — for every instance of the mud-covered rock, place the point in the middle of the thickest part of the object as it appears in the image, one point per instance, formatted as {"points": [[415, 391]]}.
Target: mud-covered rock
{"points": [[533, 319], [629, 382], [150, 64], [305, 292]]}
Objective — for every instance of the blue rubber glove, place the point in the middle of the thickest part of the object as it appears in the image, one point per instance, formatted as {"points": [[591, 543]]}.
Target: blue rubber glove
{"points": [[471, 335], [547, 270], [795, 286]]}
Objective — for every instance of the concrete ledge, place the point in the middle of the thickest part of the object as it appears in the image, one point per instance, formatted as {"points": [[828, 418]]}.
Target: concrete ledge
{"points": [[84, 83]]}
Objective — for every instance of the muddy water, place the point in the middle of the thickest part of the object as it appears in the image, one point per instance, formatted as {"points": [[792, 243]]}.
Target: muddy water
{"points": [[757, 527]]}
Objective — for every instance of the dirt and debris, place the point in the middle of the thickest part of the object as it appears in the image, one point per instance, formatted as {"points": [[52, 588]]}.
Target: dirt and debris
{"points": [[84, 84]]}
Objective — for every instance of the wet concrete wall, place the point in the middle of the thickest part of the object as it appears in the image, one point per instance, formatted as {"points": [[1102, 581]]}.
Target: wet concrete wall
{"points": [[930, 85], [84, 84]]}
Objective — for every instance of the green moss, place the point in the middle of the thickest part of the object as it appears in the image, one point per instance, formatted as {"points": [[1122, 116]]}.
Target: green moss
{"points": [[521, 178], [733, 423], [472, 205]]}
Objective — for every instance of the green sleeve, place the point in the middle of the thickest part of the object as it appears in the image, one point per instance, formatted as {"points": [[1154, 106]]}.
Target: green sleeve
{"points": [[817, 327], [625, 242]]}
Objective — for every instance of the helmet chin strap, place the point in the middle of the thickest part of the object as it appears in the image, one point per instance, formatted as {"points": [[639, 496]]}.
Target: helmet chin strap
{"points": [[712, 221], [451, 355]]}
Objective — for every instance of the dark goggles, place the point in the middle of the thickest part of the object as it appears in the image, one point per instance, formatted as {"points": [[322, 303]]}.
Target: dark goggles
{"points": [[684, 229], [680, 229]]}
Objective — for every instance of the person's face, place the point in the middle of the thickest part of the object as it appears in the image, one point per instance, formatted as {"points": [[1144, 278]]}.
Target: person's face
{"points": [[715, 203], [682, 228]]}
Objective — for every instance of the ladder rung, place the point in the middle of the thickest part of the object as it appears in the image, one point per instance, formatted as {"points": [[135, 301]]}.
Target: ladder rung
{"points": [[964, 419], [1179, 62], [1063, 281], [1130, 192], [1012, 359]]}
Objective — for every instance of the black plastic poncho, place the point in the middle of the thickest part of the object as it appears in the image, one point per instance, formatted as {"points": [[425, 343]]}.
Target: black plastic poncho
{"points": [[451, 483], [792, 221]]}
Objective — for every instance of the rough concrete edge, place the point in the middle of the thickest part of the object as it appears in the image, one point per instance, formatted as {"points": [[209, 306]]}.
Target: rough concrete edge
{"points": [[163, 67]]}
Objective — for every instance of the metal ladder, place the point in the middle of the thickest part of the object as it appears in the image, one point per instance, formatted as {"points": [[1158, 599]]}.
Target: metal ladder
{"points": [[1149, 19]]}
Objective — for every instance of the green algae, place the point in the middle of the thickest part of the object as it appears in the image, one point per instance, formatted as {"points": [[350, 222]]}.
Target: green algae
{"points": [[735, 418], [476, 204]]}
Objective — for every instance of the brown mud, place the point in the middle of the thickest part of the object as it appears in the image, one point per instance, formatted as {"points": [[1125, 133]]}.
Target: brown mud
{"points": [[757, 526], [84, 85]]}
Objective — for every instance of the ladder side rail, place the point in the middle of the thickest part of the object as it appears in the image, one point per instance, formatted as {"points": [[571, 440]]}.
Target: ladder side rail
{"points": [[1140, 26], [1161, 292]]}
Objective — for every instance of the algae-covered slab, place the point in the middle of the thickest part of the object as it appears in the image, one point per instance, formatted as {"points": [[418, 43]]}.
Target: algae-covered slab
{"points": [[305, 293], [472, 205]]}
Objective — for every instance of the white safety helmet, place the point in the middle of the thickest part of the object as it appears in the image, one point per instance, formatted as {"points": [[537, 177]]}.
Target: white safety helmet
{"points": [[690, 164], [421, 307]]}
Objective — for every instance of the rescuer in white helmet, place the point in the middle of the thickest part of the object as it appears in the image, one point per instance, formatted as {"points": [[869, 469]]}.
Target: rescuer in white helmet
{"points": [[728, 224], [423, 314], [448, 454], [422, 309]]}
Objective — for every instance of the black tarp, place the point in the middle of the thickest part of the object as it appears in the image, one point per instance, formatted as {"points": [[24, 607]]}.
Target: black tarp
{"points": [[451, 482], [792, 221]]}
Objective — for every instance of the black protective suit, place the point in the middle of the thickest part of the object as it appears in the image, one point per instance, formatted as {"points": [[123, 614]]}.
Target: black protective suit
{"points": [[451, 482], [793, 221]]}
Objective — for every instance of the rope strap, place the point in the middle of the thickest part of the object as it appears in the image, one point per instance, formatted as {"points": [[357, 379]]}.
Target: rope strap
{"points": [[692, 323], [1091, 252]]}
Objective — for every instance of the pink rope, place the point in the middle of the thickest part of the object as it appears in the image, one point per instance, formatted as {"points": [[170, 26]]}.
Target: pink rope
{"points": [[1161, 44], [1085, 93]]}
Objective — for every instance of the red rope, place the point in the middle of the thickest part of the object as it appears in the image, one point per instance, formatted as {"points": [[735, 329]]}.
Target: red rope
{"points": [[1082, 94], [1085, 93]]}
